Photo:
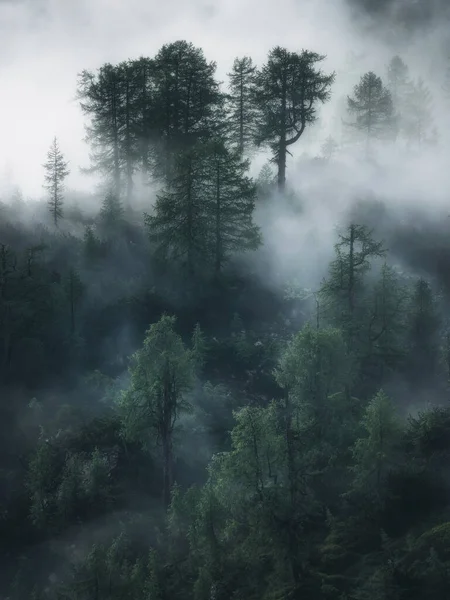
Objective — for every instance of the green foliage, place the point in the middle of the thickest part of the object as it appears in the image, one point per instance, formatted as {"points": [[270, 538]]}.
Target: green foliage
{"points": [[343, 293], [206, 213], [376, 453], [161, 375], [187, 102]]}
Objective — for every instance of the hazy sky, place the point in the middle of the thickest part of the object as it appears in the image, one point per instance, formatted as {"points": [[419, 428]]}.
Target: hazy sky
{"points": [[45, 43]]}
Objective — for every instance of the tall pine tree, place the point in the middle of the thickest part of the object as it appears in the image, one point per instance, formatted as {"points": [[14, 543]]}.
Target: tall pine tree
{"points": [[56, 171], [418, 118], [231, 202], [187, 102], [242, 112], [372, 107]]}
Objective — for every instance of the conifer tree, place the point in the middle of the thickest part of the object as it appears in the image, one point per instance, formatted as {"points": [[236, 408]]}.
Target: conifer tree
{"points": [[242, 112], [206, 214], [186, 100], [56, 171], [74, 292], [266, 182], [423, 326], [111, 215], [289, 88], [179, 224], [398, 81], [343, 291], [102, 100], [372, 107], [418, 119], [329, 148], [386, 323], [231, 205]]}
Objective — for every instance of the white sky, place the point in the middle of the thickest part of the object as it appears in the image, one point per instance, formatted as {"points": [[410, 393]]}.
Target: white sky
{"points": [[45, 43]]}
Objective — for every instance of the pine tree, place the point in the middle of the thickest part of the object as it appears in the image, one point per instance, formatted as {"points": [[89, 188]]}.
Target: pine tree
{"points": [[266, 182], [131, 118], [418, 119], [423, 326], [186, 100], [56, 171], [74, 292], [242, 112], [145, 125], [161, 374], [398, 80], [289, 87], [373, 109], [387, 308], [329, 148], [343, 293], [92, 247], [179, 224], [231, 202], [101, 99], [111, 215]]}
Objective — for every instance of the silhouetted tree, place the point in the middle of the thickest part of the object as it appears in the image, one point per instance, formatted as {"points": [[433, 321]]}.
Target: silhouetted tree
{"points": [[187, 101], [372, 107], [231, 202], [418, 125], [243, 115], [289, 88], [56, 171]]}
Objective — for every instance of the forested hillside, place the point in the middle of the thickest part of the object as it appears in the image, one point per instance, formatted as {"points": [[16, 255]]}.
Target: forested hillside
{"points": [[179, 422]]}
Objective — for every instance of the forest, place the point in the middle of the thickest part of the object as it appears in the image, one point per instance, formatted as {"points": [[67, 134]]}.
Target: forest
{"points": [[175, 426]]}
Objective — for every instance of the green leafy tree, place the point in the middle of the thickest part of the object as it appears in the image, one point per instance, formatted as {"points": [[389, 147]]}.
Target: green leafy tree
{"points": [[56, 171], [243, 115], [161, 374], [289, 88], [316, 371], [372, 107], [376, 453]]}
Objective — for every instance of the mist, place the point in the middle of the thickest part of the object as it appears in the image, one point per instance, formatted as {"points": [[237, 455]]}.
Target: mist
{"points": [[270, 355]]}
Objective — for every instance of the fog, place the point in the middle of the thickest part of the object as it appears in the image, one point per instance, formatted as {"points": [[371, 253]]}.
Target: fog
{"points": [[45, 43]]}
